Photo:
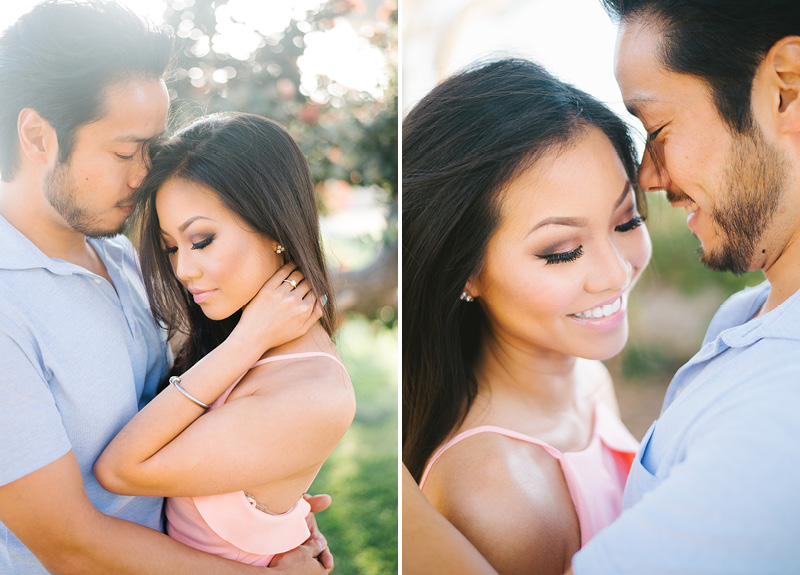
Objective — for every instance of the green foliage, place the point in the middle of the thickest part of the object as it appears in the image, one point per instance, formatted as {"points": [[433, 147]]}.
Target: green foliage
{"points": [[347, 135], [361, 475], [645, 363]]}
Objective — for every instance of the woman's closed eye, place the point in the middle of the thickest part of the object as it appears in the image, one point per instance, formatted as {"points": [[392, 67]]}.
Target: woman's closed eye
{"points": [[631, 224], [203, 243], [562, 257], [651, 137], [169, 250]]}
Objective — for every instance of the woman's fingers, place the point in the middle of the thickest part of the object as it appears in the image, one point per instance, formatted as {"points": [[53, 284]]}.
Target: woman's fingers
{"points": [[293, 279], [283, 273]]}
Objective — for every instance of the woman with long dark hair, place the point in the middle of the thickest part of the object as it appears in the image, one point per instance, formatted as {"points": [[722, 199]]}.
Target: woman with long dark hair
{"points": [[232, 260], [522, 238]]}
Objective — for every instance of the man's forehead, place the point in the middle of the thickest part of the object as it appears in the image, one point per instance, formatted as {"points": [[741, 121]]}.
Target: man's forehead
{"points": [[135, 110], [639, 73]]}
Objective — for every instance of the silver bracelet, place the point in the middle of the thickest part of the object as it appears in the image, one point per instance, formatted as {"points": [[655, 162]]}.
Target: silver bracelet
{"points": [[176, 381]]}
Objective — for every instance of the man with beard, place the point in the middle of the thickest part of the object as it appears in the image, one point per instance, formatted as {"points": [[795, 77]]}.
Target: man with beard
{"points": [[82, 92], [714, 487]]}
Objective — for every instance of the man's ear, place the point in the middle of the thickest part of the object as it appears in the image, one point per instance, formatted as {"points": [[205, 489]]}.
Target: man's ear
{"points": [[783, 68], [38, 142]]}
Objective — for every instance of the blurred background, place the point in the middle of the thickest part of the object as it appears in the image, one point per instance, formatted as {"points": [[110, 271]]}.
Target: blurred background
{"points": [[676, 297], [327, 71]]}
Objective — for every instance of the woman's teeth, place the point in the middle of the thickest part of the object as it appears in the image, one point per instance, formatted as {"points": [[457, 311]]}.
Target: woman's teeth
{"points": [[690, 209], [601, 311]]}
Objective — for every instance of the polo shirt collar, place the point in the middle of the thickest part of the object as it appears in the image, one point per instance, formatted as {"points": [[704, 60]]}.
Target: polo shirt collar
{"points": [[780, 323], [17, 252]]}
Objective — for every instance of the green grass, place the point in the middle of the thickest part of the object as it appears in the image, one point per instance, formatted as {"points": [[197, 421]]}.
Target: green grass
{"points": [[361, 474]]}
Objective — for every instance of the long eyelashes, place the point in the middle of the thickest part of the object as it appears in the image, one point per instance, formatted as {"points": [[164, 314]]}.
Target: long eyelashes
{"points": [[202, 243], [198, 246], [571, 256], [562, 257], [631, 224]]}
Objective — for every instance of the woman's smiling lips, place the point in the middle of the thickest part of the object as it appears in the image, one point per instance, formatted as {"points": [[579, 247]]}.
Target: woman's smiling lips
{"points": [[606, 315]]}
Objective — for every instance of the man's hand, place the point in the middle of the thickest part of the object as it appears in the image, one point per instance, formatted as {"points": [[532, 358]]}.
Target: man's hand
{"points": [[303, 560], [319, 503]]}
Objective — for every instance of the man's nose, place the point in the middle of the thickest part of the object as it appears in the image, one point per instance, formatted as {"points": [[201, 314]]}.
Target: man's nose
{"points": [[652, 175], [137, 173]]}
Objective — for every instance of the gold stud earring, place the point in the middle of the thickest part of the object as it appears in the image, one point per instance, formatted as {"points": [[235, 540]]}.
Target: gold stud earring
{"points": [[466, 297], [279, 249]]}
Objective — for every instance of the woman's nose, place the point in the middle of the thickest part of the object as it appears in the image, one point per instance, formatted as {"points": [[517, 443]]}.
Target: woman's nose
{"points": [[184, 268], [612, 272]]}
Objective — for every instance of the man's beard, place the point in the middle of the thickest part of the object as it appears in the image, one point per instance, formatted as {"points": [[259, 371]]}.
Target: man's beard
{"points": [[752, 191], [60, 191]]}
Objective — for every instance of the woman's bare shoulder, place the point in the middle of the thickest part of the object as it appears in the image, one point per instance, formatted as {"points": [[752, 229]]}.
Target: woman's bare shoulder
{"points": [[510, 499], [309, 379]]}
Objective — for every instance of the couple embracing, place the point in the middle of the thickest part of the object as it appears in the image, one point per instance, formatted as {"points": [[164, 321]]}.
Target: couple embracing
{"points": [[524, 234], [98, 423]]}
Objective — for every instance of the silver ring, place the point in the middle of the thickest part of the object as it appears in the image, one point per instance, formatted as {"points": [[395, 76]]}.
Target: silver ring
{"points": [[291, 283]]}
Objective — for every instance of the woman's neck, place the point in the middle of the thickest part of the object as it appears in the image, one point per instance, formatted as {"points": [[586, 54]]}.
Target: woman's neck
{"points": [[315, 339], [519, 385]]}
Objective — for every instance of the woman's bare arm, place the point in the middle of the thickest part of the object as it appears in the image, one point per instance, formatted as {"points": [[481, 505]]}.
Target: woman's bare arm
{"points": [[276, 315], [288, 427], [430, 543]]}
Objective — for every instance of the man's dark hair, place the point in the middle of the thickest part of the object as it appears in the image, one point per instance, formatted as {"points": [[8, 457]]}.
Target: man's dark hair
{"points": [[719, 41], [60, 57]]}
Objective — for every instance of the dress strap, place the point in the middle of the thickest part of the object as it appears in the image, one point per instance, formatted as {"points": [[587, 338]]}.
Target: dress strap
{"points": [[298, 355], [224, 397], [486, 429]]}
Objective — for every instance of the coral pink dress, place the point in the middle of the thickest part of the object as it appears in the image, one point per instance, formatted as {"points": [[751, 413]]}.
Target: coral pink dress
{"points": [[228, 525], [595, 476]]}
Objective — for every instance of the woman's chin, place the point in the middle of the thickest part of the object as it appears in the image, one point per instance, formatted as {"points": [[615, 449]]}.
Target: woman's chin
{"points": [[612, 345], [216, 314]]}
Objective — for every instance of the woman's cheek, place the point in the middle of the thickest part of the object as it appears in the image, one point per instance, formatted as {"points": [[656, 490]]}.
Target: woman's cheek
{"points": [[642, 249]]}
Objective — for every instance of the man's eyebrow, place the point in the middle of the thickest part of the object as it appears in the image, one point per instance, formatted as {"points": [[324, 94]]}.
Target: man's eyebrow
{"points": [[134, 138], [634, 105]]}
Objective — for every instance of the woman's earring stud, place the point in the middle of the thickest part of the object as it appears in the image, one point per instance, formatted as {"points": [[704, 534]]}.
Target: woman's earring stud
{"points": [[279, 249], [466, 297]]}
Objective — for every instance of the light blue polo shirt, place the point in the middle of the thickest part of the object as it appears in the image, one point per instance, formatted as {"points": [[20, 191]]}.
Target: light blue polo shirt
{"points": [[715, 487], [77, 360]]}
